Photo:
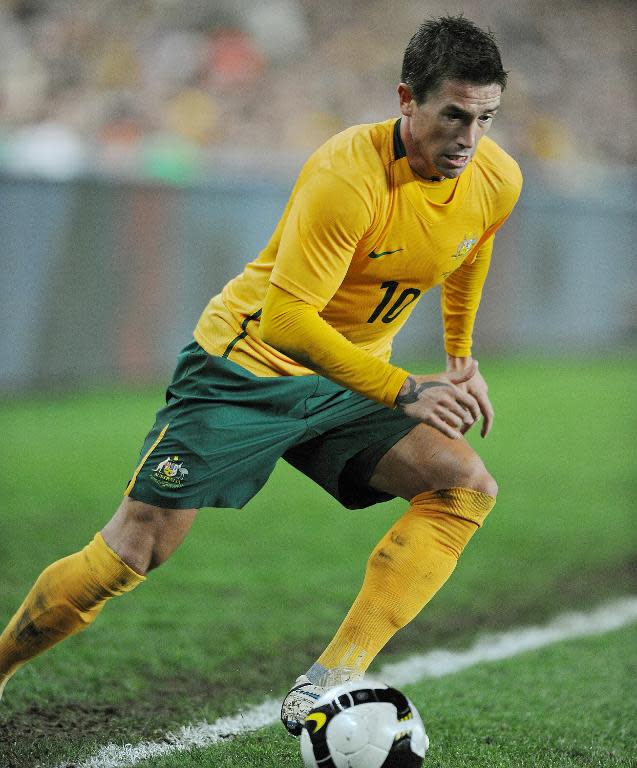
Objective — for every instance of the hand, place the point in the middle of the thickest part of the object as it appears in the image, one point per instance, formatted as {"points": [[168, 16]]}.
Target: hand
{"points": [[440, 400], [477, 387]]}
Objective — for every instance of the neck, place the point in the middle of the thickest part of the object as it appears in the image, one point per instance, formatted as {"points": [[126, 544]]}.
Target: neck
{"points": [[416, 165]]}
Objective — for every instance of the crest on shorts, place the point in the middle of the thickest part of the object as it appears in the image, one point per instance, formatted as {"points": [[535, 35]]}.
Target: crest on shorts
{"points": [[169, 473]]}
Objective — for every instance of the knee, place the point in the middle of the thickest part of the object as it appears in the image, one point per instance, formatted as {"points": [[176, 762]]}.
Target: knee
{"points": [[479, 479], [131, 534], [145, 536], [425, 461], [466, 470], [475, 475]]}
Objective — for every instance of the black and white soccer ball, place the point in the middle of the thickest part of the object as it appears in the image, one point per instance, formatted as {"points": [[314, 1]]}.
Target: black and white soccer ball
{"points": [[363, 724]]}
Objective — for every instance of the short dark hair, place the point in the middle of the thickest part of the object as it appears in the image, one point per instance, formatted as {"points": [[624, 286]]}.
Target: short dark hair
{"points": [[451, 48]]}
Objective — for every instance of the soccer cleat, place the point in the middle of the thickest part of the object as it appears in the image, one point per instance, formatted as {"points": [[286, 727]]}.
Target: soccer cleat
{"points": [[298, 703]]}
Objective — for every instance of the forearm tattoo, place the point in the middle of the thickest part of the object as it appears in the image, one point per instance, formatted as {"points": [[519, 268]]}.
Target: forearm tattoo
{"points": [[414, 389]]}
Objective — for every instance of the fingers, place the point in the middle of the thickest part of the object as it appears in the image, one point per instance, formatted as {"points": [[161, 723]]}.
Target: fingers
{"points": [[459, 415], [473, 397], [487, 411], [466, 400], [443, 426], [454, 418], [457, 409], [440, 400], [469, 403]]}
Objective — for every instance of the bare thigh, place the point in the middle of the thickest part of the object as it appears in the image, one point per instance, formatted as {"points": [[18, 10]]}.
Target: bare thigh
{"points": [[145, 536], [427, 460]]}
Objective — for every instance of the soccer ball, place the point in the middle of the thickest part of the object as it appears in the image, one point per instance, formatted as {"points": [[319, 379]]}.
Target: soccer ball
{"points": [[363, 724]]}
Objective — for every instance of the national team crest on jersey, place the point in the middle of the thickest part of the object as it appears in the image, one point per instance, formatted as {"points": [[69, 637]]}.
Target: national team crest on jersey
{"points": [[169, 473], [465, 247]]}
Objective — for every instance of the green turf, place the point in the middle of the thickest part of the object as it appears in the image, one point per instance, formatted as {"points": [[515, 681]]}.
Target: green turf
{"points": [[566, 706], [253, 595]]}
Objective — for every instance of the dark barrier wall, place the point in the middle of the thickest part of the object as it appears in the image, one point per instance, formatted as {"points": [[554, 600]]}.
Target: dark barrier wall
{"points": [[104, 281]]}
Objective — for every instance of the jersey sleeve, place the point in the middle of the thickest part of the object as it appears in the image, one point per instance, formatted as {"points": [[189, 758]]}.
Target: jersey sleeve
{"points": [[327, 219], [460, 299], [295, 328], [462, 291]]}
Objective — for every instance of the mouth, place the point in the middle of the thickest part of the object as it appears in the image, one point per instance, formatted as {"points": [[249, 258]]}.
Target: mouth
{"points": [[457, 161]]}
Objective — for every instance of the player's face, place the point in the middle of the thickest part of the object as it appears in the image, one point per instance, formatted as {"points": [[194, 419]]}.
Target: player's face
{"points": [[441, 134]]}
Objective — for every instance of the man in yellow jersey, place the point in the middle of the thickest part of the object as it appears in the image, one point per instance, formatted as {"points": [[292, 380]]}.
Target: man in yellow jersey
{"points": [[291, 360]]}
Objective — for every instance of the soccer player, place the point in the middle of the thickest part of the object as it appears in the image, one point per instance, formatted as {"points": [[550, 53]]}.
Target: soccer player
{"points": [[291, 360]]}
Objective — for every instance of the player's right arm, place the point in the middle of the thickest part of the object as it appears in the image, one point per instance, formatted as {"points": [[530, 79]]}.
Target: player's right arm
{"points": [[326, 222], [295, 328]]}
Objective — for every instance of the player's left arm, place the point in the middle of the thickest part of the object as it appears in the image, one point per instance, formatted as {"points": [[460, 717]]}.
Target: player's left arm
{"points": [[460, 299], [462, 292]]}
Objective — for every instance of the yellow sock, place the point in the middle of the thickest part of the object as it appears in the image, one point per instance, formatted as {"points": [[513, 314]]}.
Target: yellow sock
{"points": [[405, 570], [65, 599]]}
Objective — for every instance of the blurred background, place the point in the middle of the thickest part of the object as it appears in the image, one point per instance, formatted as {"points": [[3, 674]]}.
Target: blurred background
{"points": [[147, 148]]}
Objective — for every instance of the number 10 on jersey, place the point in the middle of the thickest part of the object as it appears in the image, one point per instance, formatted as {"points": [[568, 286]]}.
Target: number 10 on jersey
{"points": [[405, 298]]}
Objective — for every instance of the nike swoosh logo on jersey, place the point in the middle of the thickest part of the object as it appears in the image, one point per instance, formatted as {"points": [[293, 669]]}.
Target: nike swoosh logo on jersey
{"points": [[374, 255]]}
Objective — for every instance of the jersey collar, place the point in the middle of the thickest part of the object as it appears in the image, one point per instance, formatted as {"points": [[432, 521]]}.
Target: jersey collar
{"points": [[399, 147]]}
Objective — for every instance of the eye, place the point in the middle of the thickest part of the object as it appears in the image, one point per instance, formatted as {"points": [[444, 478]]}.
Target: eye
{"points": [[486, 118]]}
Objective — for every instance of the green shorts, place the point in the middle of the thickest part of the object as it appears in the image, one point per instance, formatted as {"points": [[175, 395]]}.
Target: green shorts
{"points": [[223, 429]]}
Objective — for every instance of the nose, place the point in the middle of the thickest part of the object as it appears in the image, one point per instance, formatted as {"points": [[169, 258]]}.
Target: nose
{"points": [[467, 135]]}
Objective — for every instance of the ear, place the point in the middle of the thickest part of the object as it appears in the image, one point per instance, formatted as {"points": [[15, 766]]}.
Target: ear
{"points": [[407, 101]]}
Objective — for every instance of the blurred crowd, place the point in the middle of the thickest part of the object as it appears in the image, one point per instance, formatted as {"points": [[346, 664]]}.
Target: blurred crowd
{"points": [[175, 89]]}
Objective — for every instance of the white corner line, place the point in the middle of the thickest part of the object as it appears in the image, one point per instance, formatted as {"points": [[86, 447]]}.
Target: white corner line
{"points": [[436, 663]]}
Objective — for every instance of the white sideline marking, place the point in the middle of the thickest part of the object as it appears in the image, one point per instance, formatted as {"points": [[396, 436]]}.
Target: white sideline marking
{"points": [[437, 663]]}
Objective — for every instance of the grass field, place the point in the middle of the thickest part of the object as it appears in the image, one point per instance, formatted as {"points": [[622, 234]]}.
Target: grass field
{"points": [[253, 595], [538, 710]]}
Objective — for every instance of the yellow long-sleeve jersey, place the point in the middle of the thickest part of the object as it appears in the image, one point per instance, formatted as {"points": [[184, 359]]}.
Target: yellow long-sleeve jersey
{"points": [[361, 239]]}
